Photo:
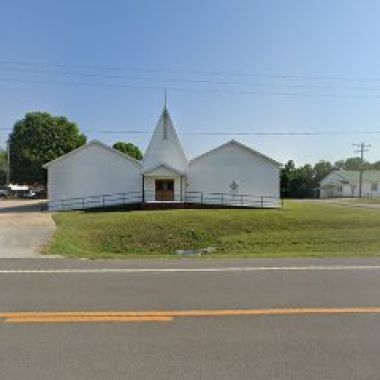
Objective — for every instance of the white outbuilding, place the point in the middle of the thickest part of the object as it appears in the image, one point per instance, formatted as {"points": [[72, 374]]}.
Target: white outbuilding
{"points": [[95, 175], [346, 183]]}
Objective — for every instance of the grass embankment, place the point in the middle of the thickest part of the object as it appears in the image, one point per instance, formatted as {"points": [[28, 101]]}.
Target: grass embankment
{"points": [[301, 229]]}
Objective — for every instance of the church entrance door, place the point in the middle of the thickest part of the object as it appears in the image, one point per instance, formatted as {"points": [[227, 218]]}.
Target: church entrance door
{"points": [[164, 190]]}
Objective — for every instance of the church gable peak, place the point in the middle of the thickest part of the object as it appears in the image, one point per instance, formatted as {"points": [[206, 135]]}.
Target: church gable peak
{"points": [[164, 146]]}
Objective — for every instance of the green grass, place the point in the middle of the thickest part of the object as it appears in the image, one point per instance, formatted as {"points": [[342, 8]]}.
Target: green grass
{"points": [[301, 229]]}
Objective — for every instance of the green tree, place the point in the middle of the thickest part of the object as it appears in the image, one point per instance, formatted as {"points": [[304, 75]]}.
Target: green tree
{"points": [[352, 163], [37, 139], [286, 177], [339, 165], [321, 170], [128, 148], [300, 182], [3, 166]]}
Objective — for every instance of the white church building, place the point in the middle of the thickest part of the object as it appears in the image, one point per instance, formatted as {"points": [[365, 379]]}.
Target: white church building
{"points": [[96, 175]]}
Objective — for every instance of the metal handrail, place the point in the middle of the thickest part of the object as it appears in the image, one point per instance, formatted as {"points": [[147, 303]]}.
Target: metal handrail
{"points": [[192, 197]]}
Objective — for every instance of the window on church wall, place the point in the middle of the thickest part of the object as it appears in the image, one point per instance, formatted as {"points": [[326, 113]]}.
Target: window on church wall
{"points": [[374, 186]]}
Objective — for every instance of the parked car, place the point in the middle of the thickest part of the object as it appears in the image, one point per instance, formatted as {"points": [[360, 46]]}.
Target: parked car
{"points": [[30, 194]]}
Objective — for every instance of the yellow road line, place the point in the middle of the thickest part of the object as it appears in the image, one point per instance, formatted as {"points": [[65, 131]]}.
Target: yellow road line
{"points": [[169, 315], [86, 319]]}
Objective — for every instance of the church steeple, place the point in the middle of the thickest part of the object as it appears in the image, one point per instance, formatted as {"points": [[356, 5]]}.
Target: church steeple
{"points": [[164, 146], [165, 116]]}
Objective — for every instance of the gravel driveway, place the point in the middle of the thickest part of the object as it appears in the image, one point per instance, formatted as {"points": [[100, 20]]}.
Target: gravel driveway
{"points": [[23, 228]]}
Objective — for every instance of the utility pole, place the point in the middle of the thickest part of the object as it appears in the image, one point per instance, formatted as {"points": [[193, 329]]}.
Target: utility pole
{"points": [[362, 148]]}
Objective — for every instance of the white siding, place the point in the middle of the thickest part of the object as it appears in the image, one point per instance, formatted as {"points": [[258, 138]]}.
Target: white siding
{"points": [[333, 178], [165, 147], [94, 170], [215, 171], [333, 186]]}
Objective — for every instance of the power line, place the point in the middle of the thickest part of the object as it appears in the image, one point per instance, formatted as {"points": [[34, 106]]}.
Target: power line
{"points": [[236, 133], [60, 65], [233, 133], [189, 89], [117, 73], [187, 71], [53, 71]]}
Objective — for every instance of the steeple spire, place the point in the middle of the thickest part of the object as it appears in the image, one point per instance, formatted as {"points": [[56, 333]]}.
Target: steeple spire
{"points": [[165, 119], [164, 146]]}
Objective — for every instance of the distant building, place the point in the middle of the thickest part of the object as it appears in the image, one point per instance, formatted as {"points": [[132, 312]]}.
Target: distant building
{"points": [[345, 183], [223, 174]]}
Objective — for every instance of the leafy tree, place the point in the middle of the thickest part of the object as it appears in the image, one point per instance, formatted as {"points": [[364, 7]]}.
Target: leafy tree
{"points": [[37, 139], [352, 163], [128, 148], [302, 182], [321, 170], [286, 177], [339, 165], [3, 166], [297, 182], [356, 163]]}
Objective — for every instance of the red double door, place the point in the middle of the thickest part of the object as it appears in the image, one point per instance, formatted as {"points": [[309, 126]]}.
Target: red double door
{"points": [[164, 190]]}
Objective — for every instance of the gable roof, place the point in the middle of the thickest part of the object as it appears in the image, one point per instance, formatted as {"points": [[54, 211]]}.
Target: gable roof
{"points": [[85, 146], [240, 145], [166, 166], [352, 176]]}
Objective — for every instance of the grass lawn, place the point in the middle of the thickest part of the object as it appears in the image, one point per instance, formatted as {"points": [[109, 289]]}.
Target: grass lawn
{"points": [[375, 200], [300, 229]]}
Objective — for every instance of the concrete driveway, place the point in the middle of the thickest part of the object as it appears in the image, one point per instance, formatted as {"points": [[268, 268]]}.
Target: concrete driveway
{"points": [[23, 228]]}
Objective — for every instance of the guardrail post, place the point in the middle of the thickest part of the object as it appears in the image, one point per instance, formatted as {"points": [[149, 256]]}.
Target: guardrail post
{"points": [[82, 203], [262, 202], [104, 201], [202, 197], [222, 198]]}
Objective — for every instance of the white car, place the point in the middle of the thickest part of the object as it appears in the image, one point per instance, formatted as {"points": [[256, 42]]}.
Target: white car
{"points": [[29, 194]]}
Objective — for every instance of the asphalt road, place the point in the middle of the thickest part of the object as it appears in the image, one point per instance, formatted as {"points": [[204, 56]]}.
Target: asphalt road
{"points": [[324, 343]]}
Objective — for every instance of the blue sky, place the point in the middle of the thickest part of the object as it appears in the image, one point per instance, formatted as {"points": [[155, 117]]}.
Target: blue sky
{"points": [[228, 66]]}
